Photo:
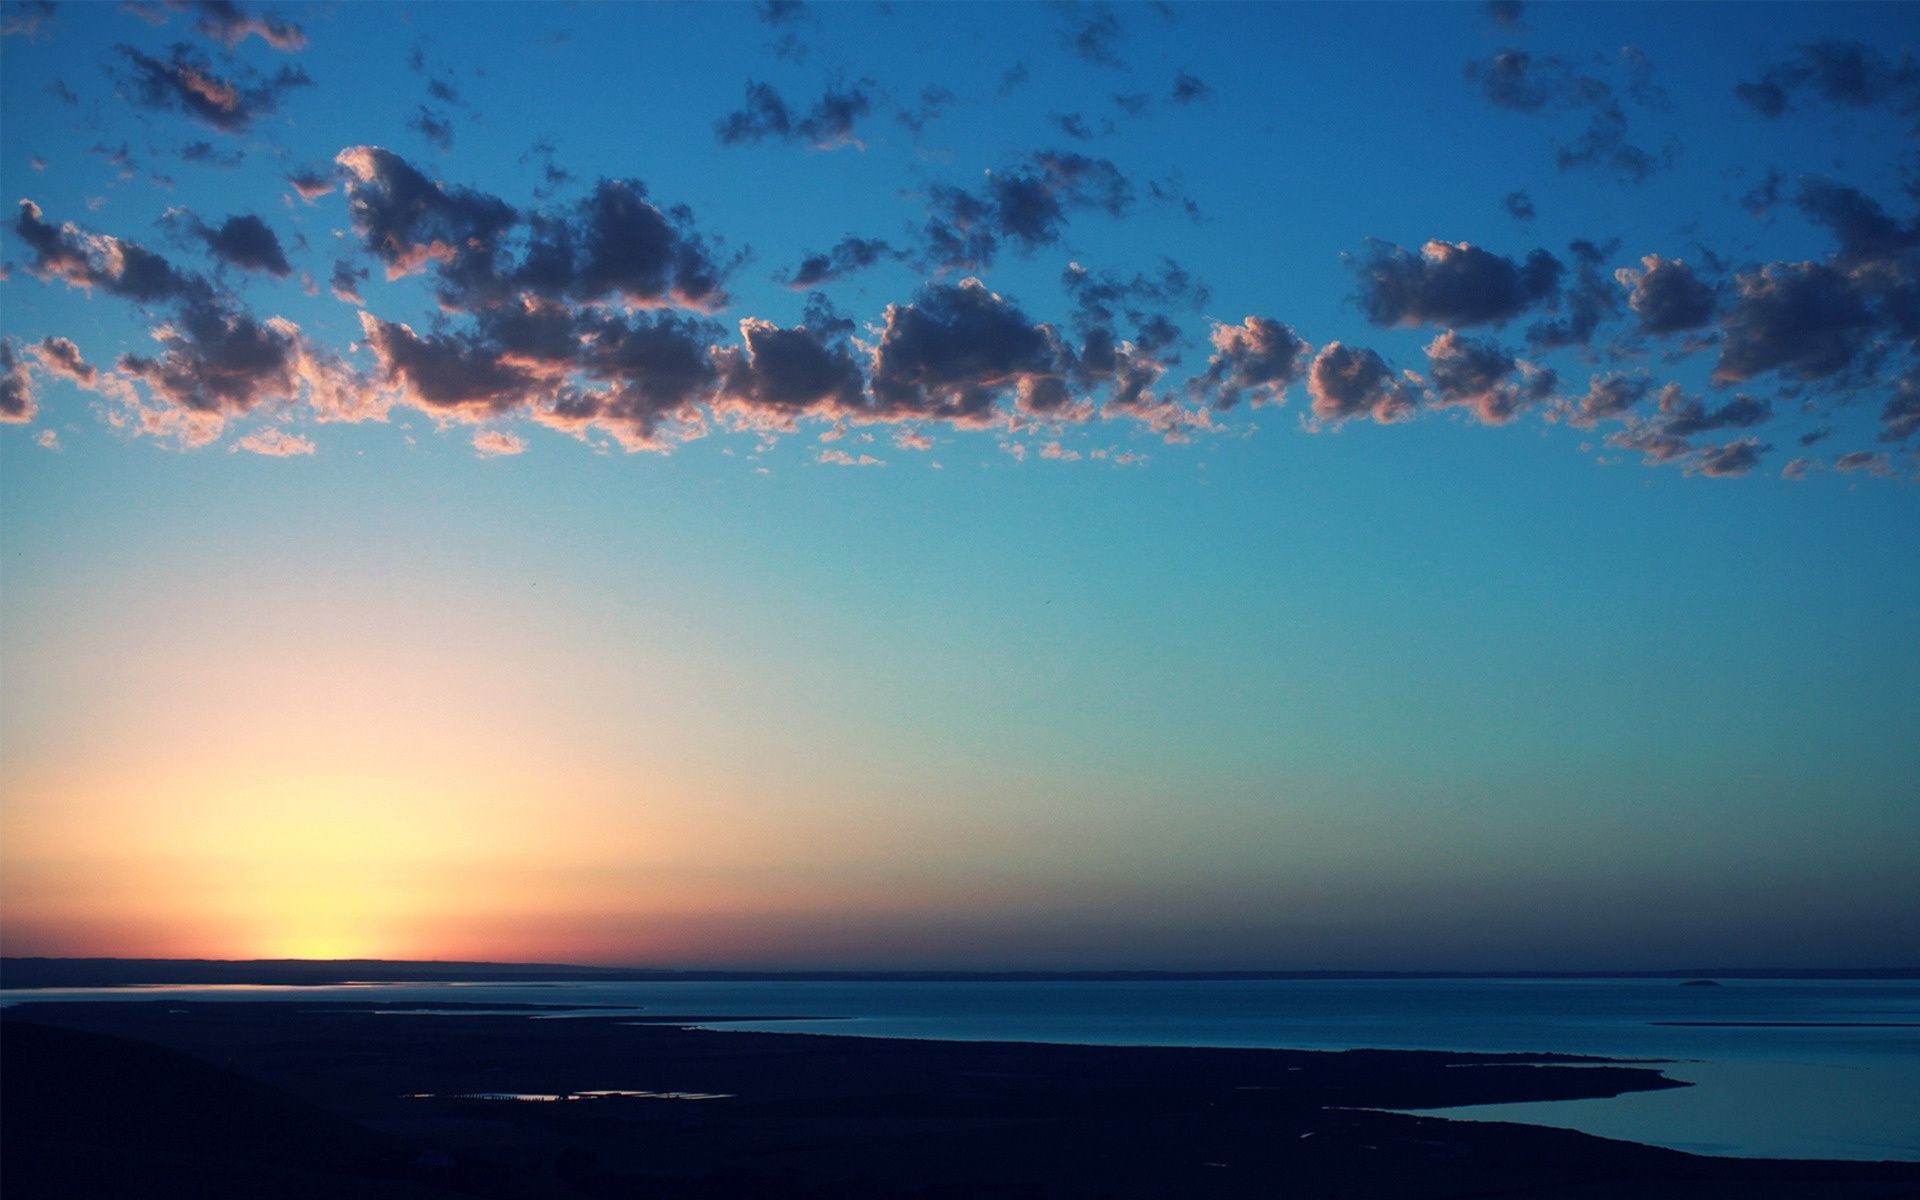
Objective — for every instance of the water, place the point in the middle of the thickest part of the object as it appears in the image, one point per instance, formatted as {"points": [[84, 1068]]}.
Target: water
{"points": [[1843, 1083]]}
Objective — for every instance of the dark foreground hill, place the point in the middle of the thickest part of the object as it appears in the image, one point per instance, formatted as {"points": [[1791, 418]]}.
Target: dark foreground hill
{"points": [[157, 1098]]}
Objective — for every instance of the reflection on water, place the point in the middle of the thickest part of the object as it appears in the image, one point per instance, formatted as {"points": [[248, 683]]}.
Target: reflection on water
{"points": [[1857, 1110]]}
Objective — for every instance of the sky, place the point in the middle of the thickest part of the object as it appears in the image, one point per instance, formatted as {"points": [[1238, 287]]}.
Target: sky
{"points": [[1018, 486]]}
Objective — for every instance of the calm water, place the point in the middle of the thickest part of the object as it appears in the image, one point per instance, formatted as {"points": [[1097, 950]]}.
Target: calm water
{"points": [[1837, 1090]]}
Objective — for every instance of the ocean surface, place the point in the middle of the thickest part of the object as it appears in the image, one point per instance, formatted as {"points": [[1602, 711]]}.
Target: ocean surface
{"points": [[1780, 1068]]}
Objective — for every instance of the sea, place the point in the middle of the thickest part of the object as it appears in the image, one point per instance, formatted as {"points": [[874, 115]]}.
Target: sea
{"points": [[1780, 1068]]}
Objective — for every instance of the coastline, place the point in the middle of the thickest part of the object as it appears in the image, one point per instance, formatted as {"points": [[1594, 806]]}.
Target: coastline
{"points": [[87, 1089]]}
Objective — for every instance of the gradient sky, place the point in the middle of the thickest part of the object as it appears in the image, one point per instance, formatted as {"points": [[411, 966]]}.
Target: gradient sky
{"points": [[1019, 486]]}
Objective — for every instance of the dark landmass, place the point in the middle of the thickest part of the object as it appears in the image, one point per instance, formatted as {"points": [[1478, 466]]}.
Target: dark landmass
{"points": [[129, 972], [165, 1098]]}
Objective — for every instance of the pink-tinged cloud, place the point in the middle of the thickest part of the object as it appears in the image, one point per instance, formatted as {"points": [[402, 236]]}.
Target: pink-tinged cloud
{"points": [[48, 440], [840, 458], [273, 443], [1352, 381], [493, 443], [17, 402]]}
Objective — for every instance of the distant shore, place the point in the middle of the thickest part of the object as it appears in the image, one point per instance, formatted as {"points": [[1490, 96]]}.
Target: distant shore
{"points": [[330, 1098], [22, 973]]}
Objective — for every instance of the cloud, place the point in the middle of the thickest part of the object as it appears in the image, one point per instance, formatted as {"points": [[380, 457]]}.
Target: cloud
{"points": [[1900, 419], [1351, 381], [828, 124], [781, 12], [28, 18], [1801, 319], [848, 255], [1666, 295], [836, 457], [494, 443], [1026, 204], [1452, 283], [184, 82], [346, 280], [1507, 14], [312, 184], [1519, 206], [1683, 416], [437, 128], [218, 360], [206, 152], [957, 351], [84, 260], [1868, 462], [1608, 397], [1593, 298], [226, 22], [782, 374], [61, 358], [1729, 461], [1097, 39], [48, 439], [18, 405], [1523, 83], [1484, 379], [273, 443], [407, 220], [243, 241], [1189, 88], [1258, 359], [1842, 73]]}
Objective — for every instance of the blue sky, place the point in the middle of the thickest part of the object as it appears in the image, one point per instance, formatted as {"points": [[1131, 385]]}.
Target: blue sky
{"points": [[1144, 636]]}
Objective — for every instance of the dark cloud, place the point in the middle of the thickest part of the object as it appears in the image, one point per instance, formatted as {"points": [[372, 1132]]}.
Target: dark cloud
{"points": [[1351, 381], [829, 123], [184, 82], [1683, 416], [217, 359], [849, 254], [437, 128], [1900, 419], [1761, 198], [312, 183], [205, 152], [446, 372], [407, 220], [1843, 73], [933, 102], [60, 91], [1189, 88], [1479, 376], [1073, 125], [1593, 298], [957, 350], [1730, 460], [1027, 204], [346, 280], [1097, 39], [1666, 296], [1507, 14], [1608, 397], [119, 267], [785, 373], [1802, 319], [226, 22], [1520, 206], [17, 402], [244, 241], [1864, 461], [1524, 83], [781, 12], [616, 243], [1258, 359], [1451, 283], [60, 357], [1103, 299]]}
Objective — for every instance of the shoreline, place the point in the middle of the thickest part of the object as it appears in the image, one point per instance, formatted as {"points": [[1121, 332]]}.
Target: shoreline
{"points": [[95, 1088]]}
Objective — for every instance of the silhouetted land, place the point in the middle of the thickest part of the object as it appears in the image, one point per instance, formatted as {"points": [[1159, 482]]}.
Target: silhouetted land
{"points": [[163, 1098], [127, 972]]}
